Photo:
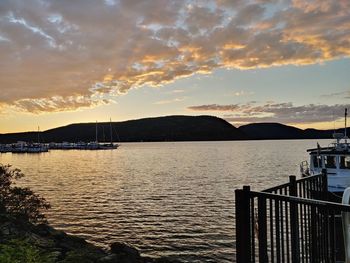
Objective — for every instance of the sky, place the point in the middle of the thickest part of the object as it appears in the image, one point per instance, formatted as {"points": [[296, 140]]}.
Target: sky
{"points": [[72, 61]]}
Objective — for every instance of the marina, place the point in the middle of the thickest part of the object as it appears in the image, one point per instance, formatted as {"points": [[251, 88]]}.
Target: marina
{"points": [[38, 147], [24, 147]]}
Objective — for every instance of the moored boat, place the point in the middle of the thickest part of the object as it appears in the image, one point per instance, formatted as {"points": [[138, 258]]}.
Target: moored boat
{"points": [[334, 160]]}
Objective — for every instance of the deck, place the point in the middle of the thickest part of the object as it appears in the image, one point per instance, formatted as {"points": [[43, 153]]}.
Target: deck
{"points": [[292, 223]]}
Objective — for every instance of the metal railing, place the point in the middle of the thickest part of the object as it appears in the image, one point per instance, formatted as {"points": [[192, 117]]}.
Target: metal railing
{"points": [[288, 223]]}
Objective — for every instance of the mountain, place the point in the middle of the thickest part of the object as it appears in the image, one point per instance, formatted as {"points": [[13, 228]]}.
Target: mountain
{"points": [[169, 128], [272, 131]]}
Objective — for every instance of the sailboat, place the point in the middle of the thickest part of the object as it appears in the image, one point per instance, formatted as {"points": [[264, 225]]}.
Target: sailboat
{"points": [[102, 146]]}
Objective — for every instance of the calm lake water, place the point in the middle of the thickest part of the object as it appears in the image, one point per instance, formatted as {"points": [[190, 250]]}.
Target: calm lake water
{"points": [[169, 199]]}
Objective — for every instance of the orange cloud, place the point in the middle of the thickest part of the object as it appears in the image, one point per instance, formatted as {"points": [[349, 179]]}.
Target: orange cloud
{"points": [[79, 49]]}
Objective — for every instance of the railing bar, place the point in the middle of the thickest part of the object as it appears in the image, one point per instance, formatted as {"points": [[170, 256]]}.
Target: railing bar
{"points": [[313, 240], [319, 234], [306, 220], [325, 239], [287, 228], [330, 205], [252, 229], [286, 185], [282, 232], [320, 215], [308, 187], [262, 233], [325, 234], [302, 225], [307, 232], [332, 236], [271, 233], [275, 188], [328, 236], [278, 252], [308, 178]]}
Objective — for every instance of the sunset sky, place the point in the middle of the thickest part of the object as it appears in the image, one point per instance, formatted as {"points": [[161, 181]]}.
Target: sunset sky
{"points": [[68, 61]]}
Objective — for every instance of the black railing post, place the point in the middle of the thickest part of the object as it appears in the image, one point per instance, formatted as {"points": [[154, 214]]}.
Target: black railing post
{"points": [[325, 184], [294, 221], [243, 225], [262, 230]]}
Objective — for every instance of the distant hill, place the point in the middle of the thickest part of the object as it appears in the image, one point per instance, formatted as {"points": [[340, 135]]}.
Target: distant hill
{"points": [[267, 131], [169, 128]]}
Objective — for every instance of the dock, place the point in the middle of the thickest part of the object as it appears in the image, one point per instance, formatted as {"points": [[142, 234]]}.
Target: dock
{"points": [[25, 147], [294, 222]]}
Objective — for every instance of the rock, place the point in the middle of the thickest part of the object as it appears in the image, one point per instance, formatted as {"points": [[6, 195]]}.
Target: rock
{"points": [[5, 230], [55, 255], [166, 260], [125, 252], [112, 258], [64, 248], [39, 241]]}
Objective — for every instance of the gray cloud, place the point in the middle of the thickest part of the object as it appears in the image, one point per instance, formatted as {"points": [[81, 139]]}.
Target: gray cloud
{"points": [[343, 94], [86, 48], [215, 107], [277, 112]]}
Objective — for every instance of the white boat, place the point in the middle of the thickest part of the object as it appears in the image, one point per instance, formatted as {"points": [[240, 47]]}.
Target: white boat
{"points": [[334, 159]]}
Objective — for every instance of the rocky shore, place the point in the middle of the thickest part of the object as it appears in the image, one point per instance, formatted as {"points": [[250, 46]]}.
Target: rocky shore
{"points": [[25, 242]]}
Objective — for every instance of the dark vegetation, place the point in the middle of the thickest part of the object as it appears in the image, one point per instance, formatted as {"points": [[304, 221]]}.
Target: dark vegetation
{"points": [[276, 131], [169, 128], [19, 202]]}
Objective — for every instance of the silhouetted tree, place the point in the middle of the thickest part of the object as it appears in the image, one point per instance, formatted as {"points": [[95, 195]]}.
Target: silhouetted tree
{"points": [[19, 202]]}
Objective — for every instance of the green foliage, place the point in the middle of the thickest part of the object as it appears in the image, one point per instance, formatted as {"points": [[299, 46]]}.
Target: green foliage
{"points": [[78, 256], [19, 202], [21, 251]]}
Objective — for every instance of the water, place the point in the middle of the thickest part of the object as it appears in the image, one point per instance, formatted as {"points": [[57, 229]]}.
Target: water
{"points": [[167, 199]]}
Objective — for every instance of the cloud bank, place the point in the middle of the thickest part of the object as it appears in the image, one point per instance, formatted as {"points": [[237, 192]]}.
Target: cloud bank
{"points": [[276, 112], [62, 55]]}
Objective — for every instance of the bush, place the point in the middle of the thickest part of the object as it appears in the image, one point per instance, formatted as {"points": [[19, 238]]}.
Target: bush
{"points": [[20, 202], [21, 251]]}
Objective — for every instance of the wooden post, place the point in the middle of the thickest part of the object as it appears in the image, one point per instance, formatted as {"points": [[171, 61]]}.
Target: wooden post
{"points": [[294, 221], [243, 225]]}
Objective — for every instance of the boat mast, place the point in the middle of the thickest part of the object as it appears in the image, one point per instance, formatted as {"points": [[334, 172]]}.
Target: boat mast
{"points": [[96, 132], [110, 126], [346, 114], [38, 134]]}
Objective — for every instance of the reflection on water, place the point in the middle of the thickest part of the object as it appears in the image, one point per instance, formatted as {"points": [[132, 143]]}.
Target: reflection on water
{"points": [[164, 198]]}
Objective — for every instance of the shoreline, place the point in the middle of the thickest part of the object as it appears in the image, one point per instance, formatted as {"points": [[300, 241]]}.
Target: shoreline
{"points": [[52, 245]]}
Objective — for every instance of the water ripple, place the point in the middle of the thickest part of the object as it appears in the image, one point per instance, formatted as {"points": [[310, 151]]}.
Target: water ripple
{"points": [[167, 199]]}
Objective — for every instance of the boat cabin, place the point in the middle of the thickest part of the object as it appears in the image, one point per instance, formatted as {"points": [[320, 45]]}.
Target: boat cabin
{"points": [[335, 159]]}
